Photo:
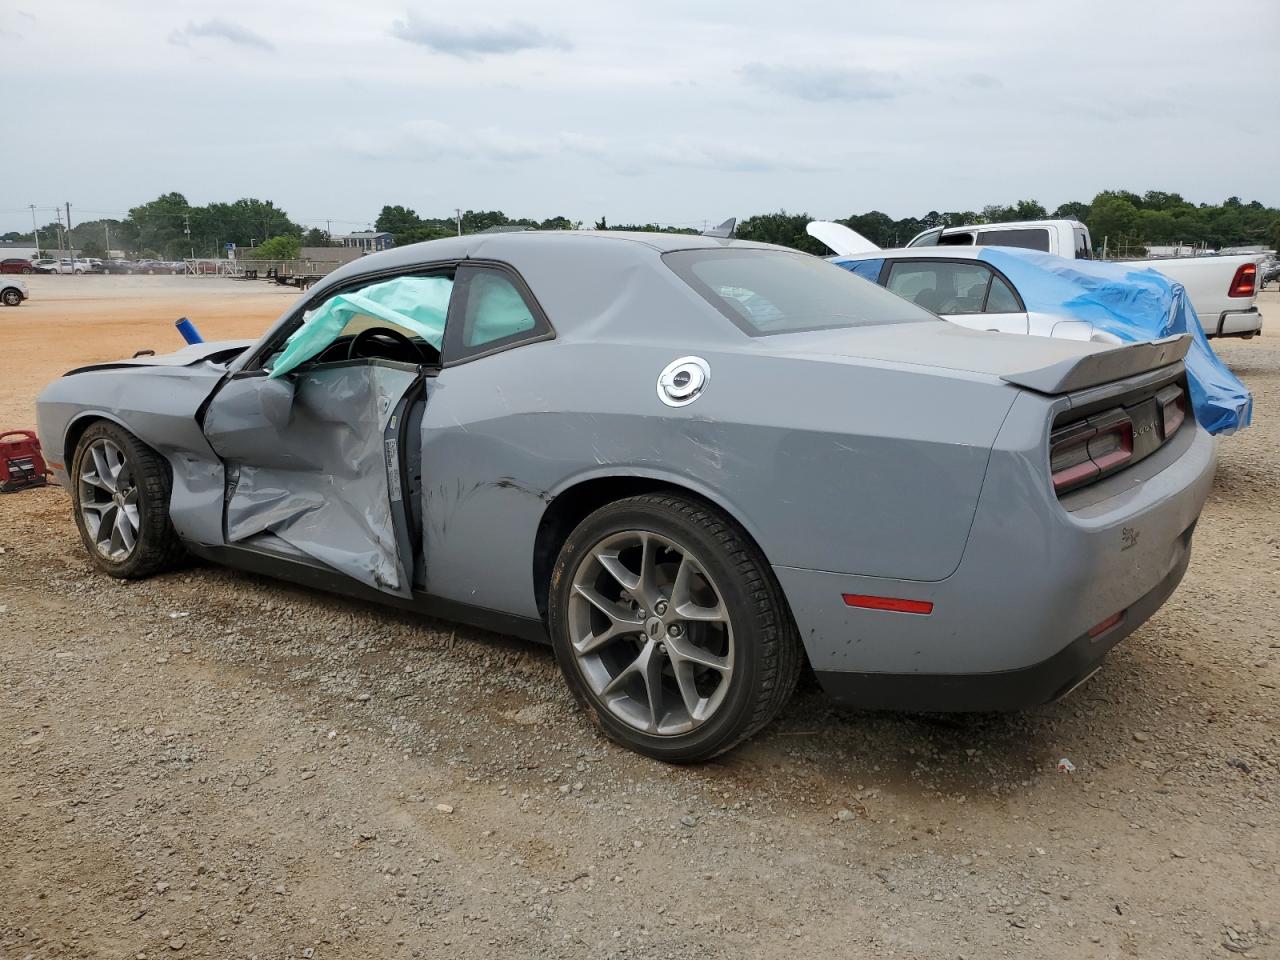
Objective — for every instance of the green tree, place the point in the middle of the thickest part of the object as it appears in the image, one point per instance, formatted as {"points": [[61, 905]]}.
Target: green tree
{"points": [[159, 224], [787, 229], [1072, 210], [1112, 217], [283, 247]]}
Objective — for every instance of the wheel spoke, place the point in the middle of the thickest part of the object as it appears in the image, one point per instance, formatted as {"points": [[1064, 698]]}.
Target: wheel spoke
{"points": [[622, 620], [92, 479], [684, 672], [125, 530], [115, 462], [615, 568], [647, 587], [102, 469], [682, 595], [653, 683], [683, 650], [625, 674]]}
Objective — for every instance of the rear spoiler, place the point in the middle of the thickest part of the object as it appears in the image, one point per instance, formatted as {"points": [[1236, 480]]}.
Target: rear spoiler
{"points": [[1106, 366]]}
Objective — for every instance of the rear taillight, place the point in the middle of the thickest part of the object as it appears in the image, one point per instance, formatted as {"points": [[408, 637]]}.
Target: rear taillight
{"points": [[1244, 283], [1173, 409], [1085, 451]]}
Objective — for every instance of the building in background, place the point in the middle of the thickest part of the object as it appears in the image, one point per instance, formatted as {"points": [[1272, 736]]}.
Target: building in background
{"points": [[24, 251], [367, 241]]}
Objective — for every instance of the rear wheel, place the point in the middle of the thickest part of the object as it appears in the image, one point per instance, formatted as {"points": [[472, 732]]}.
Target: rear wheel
{"points": [[121, 493], [670, 628], [11, 297], [26, 269]]}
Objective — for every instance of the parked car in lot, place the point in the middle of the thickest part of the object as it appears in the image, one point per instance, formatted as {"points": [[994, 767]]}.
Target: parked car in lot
{"points": [[118, 266], [13, 292], [160, 266], [16, 265], [1013, 290], [1270, 272], [47, 265], [689, 463], [1221, 288]]}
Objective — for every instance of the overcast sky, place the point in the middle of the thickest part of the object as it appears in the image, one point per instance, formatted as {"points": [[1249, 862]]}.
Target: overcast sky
{"points": [[666, 110]]}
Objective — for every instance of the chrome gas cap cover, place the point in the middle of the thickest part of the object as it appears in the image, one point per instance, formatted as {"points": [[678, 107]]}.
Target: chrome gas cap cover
{"points": [[682, 381]]}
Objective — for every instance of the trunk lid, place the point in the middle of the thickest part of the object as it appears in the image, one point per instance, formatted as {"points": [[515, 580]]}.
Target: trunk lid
{"points": [[1044, 364]]}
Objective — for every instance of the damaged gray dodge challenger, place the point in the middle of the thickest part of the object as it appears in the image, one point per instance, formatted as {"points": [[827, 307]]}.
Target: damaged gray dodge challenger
{"points": [[691, 463]]}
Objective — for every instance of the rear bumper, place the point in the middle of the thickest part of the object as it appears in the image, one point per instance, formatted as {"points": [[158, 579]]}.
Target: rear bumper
{"points": [[1237, 323], [1010, 627], [1006, 690]]}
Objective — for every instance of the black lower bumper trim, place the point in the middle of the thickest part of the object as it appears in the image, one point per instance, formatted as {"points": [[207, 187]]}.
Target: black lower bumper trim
{"points": [[1007, 690]]}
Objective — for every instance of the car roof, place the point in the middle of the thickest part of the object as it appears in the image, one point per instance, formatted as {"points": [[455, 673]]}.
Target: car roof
{"points": [[578, 249], [937, 253]]}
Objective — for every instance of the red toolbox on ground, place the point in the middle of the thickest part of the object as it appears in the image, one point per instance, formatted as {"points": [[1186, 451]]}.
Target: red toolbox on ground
{"points": [[21, 463]]}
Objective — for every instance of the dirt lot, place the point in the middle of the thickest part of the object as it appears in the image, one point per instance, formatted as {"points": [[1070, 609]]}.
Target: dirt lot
{"points": [[210, 764]]}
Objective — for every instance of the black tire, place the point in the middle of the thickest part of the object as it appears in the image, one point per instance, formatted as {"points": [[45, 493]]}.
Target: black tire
{"points": [[767, 650], [11, 297], [26, 270], [157, 547]]}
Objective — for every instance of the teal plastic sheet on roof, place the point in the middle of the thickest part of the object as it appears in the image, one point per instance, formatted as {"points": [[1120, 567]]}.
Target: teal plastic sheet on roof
{"points": [[417, 304]]}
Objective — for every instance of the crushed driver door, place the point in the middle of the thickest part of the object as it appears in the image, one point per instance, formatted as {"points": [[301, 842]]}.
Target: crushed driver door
{"points": [[317, 465]]}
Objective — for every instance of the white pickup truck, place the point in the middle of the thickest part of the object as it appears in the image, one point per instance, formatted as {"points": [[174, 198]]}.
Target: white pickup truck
{"points": [[1222, 289]]}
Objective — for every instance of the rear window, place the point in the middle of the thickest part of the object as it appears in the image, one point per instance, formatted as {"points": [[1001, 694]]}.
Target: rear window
{"points": [[774, 291], [1034, 238]]}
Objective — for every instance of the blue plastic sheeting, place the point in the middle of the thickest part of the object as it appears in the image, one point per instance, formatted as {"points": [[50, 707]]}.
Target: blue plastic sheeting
{"points": [[1132, 304], [417, 304], [866, 269]]}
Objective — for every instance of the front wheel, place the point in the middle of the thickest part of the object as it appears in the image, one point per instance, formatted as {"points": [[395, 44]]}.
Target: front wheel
{"points": [[11, 297], [670, 628], [120, 491]]}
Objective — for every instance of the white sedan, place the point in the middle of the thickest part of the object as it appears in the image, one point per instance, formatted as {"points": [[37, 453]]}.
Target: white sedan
{"points": [[13, 291], [958, 285]]}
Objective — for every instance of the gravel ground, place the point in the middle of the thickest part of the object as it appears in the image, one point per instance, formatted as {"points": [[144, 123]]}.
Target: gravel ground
{"points": [[209, 764]]}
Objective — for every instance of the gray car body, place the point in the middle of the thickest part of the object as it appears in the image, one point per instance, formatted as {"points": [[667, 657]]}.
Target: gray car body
{"points": [[906, 459]]}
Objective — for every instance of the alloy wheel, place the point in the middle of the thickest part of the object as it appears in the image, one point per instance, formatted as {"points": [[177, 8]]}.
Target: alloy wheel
{"points": [[650, 632], [109, 500]]}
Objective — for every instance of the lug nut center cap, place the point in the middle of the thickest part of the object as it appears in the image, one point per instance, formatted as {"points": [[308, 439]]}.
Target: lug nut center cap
{"points": [[653, 628]]}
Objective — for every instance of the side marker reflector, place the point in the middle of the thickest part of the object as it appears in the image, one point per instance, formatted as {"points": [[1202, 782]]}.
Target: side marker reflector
{"points": [[1099, 629], [892, 604]]}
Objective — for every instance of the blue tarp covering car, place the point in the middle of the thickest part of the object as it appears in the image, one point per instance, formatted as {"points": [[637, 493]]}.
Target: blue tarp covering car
{"points": [[1132, 304]]}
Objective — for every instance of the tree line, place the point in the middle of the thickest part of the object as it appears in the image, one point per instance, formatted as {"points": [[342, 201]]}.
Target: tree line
{"points": [[170, 227], [1123, 219]]}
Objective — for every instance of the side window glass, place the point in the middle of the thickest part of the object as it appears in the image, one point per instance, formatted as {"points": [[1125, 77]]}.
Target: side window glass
{"points": [[414, 307], [944, 288], [495, 310], [1001, 298]]}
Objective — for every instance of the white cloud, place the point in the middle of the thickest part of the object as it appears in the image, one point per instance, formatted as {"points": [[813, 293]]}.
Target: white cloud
{"points": [[819, 83], [469, 43], [220, 30]]}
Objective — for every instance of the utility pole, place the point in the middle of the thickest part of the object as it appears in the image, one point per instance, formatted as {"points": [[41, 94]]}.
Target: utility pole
{"points": [[458, 211], [62, 243], [107, 227], [35, 231], [69, 241], [328, 230], [186, 228]]}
